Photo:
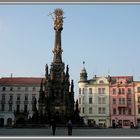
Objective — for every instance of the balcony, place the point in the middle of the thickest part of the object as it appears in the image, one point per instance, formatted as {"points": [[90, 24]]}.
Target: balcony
{"points": [[138, 102]]}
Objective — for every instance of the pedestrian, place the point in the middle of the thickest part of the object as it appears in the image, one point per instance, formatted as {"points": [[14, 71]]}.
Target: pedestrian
{"points": [[69, 126], [114, 124], [53, 126]]}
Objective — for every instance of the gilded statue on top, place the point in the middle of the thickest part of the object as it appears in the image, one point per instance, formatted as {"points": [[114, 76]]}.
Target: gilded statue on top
{"points": [[58, 22], [58, 19]]}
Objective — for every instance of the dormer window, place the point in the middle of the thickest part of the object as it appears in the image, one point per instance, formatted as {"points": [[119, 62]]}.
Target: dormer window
{"points": [[101, 82]]}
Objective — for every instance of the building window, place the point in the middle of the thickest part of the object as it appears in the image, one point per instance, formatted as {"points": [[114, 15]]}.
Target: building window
{"points": [[83, 110], [123, 91], [129, 101], [18, 108], [123, 101], [101, 110], [3, 97], [101, 82], [101, 90], [99, 100], [79, 100], [26, 97], [80, 110], [33, 88], [90, 100], [19, 88], [11, 88], [11, 97], [129, 90], [90, 110], [33, 97], [123, 111], [114, 111], [25, 108], [90, 90], [26, 88], [103, 100], [79, 90], [138, 99], [3, 88], [129, 111], [139, 110], [119, 92], [120, 111], [138, 89], [114, 91], [2, 107], [83, 99], [119, 100], [126, 122], [114, 101], [18, 97], [83, 91], [10, 107]]}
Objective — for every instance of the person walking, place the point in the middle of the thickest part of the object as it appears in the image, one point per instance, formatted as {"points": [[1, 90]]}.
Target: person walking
{"points": [[69, 126], [53, 126]]}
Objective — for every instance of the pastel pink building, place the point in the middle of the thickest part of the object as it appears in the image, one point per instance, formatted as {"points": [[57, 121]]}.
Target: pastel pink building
{"points": [[122, 101]]}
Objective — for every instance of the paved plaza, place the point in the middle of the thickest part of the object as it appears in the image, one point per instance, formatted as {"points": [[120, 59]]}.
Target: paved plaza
{"points": [[76, 132]]}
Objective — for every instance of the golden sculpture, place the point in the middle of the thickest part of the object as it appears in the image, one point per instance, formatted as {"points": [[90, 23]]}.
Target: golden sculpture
{"points": [[58, 19]]}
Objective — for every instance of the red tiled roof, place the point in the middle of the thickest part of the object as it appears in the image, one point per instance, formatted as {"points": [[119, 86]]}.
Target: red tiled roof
{"points": [[20, 80], [122, 76]]}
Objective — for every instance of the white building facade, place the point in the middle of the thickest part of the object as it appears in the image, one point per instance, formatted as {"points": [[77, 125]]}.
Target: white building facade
{"points": [[94, 100], [17, 95]]}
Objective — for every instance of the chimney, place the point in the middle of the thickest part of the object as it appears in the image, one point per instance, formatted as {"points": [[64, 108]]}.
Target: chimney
{"points": [[11, 75]]}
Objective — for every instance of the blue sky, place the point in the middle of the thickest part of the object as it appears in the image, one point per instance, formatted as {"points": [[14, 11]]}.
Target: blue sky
{"points": [[106, 37]]}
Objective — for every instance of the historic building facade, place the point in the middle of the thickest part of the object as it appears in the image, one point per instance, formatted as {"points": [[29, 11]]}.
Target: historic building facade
{"points": [[122, 101], [94, 100], [137, 102], [17, 99], [56, 98]]}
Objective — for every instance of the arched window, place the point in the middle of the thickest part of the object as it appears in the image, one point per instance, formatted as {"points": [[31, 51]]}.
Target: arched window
{"points": [[1, 122], [9, 121], [101, 82]]}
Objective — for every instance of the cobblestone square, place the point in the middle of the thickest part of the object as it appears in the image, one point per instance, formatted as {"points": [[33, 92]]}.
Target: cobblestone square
{"points": [[77, 132]]}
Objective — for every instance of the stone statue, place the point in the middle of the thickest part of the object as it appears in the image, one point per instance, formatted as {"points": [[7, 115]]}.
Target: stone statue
{"points": [[46, 70], [67, 70]]}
